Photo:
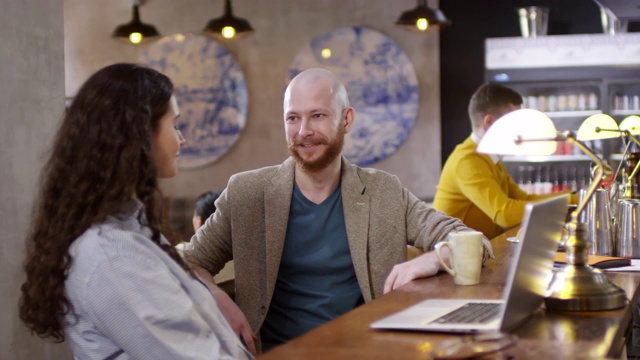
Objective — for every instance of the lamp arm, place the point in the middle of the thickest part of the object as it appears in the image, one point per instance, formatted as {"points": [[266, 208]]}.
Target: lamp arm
{"points": [[594, 183], [559, 137], [599, 129], [626, 149]]}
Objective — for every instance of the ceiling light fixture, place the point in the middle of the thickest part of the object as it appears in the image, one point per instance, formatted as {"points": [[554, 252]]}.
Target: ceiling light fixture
{"points": [[422, 18], [228, 26], [135, 31]]}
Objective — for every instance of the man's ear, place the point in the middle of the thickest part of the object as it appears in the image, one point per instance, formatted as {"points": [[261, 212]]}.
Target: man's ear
{"points": [[487, 120], [348, 116]]}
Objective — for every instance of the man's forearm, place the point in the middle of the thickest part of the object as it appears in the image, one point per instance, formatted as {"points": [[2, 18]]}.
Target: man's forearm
{"points": [[206, 278]]}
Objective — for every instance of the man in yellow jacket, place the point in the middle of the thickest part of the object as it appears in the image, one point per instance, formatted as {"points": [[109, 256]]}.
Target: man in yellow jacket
{"points": [[474, 187]]}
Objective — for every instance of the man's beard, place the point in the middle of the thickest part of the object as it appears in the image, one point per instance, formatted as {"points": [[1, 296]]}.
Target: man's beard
{"points": [[333, 150]]}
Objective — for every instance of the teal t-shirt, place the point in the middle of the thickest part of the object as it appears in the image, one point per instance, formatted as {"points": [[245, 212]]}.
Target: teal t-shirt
{"points": [[316, 280]]}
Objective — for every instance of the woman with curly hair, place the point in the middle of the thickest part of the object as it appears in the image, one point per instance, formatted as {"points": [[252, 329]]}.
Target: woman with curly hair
{"points": [[99, 271]]}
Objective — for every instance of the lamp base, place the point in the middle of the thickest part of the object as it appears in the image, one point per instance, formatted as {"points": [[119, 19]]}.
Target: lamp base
{"points": [[583, 288]]}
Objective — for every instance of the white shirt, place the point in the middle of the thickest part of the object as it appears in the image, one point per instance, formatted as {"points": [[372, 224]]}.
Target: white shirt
{"points": [[133, 301], [495, 158]]}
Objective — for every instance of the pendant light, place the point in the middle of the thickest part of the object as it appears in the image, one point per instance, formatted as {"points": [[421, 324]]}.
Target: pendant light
{"points": [[422, 18], [228, 26], [135, 31]]}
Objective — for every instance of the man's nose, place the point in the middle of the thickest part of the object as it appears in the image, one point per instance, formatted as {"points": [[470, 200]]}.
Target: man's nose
{"points": [[306, 128]]}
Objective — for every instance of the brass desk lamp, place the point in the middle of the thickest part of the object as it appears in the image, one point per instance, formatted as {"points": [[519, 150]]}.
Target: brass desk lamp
{"points": [[629, 128], [576, 286]]}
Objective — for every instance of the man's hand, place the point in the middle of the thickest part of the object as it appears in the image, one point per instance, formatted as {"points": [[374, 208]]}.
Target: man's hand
{"points": [[236, 319], [423, 266], [229, 310]]}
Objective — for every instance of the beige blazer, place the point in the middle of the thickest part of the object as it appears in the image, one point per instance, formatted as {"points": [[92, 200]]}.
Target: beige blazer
{"points": [[250, 224]]}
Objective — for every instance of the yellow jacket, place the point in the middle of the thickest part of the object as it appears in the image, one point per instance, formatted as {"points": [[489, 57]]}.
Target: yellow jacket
{"points": [[480, 192]]}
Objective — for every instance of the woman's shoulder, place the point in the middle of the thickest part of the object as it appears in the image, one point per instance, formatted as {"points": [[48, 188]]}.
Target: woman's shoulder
{"points": [[109, 240], [102, 248]]}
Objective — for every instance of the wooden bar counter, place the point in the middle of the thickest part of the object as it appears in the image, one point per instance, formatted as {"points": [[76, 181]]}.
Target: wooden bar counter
{"points": [[545, 335]]}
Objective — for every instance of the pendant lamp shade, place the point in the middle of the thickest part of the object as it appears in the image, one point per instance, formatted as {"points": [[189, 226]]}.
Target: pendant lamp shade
{"points": [[228, 26], [422, 18], [135, 31]]}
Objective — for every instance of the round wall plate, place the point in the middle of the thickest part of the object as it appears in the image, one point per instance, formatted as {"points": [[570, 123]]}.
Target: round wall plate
{"points": [[211, 92]]}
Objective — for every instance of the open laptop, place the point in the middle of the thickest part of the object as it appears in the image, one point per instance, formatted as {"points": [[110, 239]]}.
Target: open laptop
{"points": [[530, 273]]}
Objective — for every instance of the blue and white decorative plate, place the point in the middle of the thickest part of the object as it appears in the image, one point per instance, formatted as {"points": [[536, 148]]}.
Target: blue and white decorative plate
{"points": [[211, 93], [382, 86]]}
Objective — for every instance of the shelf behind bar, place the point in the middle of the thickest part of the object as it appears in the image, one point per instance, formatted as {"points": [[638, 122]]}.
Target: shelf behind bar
{"points": [[623, 112], [570, 51], [616, 156], [550, 158], [572, 114]]}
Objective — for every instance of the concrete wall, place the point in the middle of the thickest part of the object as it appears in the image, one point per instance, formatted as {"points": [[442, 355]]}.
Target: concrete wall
{"points": [[32, 83], [282, 28]]}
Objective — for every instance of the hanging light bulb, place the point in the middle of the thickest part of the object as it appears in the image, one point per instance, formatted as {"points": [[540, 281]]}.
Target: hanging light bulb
{"points": [[228, 32], [135, 38], [135, 31], [228, 26], [422, 18], [422, 24]]}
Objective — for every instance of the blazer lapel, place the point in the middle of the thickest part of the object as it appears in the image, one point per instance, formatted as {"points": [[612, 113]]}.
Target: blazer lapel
{"points": [[277, 201], [356, 205]]}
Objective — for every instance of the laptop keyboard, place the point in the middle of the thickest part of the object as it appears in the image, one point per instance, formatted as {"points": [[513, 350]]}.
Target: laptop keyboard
{"points": [[472, 313]]}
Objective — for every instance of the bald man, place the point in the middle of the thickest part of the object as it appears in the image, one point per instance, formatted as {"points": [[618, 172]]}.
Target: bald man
{"points": [[316, 236]]}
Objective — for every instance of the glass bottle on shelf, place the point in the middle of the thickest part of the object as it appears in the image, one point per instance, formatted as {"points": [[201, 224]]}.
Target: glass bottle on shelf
{"points": [[569, 148], [564, 185], [562, 103], [617, 102], [576, 150], [572, 102], [529, 186], [583, 183], [537, 185], [556, 188], [542, 103], [552, 103], [582, 102], [547, 185], [520, 179], [592, 102], [573, 182], [630, 185]]}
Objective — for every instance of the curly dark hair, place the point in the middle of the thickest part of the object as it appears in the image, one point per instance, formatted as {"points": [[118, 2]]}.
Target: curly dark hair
{"points": [[101, 157]]}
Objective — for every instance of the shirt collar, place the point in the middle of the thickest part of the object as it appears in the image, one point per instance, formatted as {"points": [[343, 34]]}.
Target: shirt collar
{"points": [[495, 158], [133, 207]]}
